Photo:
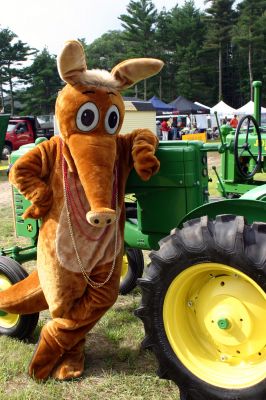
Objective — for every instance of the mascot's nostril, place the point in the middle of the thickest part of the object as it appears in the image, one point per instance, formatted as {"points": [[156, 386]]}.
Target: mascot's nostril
{"points": [[96, 221], [108, 221]]}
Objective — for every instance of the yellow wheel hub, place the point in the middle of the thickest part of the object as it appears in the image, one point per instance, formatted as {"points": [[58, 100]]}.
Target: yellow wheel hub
{"points": [[7, 320], [124, 269], [214, 318]]}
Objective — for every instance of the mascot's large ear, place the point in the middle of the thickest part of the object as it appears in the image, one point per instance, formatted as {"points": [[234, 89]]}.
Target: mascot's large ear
{"points": [[71, 63], [131, 71]]}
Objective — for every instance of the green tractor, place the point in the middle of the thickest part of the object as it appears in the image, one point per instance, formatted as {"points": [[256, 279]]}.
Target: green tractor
{"points": [[203, 294], [242, 158]]}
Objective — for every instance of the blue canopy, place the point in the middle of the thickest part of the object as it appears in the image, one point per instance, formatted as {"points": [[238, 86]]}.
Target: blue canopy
{"points": [[159, 105]]}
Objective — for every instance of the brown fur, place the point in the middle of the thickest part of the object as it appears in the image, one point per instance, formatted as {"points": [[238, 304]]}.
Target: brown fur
{"points": [[91, 157]]}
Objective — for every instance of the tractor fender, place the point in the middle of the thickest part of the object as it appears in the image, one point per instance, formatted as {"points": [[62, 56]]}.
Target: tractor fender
{"points": [[258, 193], [252, 210]]}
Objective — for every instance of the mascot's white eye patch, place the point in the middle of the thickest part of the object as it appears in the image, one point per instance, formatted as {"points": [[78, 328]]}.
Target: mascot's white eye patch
{"points": [[87, 117], [112, 119]]}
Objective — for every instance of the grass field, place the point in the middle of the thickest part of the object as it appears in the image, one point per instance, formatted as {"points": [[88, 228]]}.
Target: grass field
{"points": [[115, 366]]}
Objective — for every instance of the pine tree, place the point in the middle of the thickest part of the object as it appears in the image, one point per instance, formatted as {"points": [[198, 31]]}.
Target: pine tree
{"points": [[249, 36], [139, 30], [106, 51], [43, 84], [13, 53], [219, 18]]}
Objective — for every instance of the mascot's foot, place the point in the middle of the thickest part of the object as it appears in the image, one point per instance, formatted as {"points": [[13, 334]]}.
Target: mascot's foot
{"points": [[45, 357], [71, 365]]}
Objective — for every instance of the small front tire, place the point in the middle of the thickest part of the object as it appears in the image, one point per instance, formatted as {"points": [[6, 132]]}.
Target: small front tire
{"points": [[132, 269]]}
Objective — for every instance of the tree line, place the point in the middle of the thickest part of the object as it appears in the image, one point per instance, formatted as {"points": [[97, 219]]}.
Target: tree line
{"points": [[210, 55]]}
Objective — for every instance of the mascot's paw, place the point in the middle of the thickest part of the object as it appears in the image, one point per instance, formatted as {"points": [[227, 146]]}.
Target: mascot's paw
{"points": [[147, 166], [42, 200], [146, 163], [71, 365], [35, 212], [45, 357]]}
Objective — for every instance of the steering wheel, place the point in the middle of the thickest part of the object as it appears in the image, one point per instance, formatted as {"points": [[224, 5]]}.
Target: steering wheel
{"points": [[240, 149]]}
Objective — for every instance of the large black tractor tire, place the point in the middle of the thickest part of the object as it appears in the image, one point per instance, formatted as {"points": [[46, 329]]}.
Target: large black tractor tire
{"points": [[132, 270], [14, 325], [204, 309]]}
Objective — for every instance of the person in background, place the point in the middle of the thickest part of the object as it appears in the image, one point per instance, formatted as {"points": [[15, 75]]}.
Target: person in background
{"points": [[158, 130], [194, 129], [214, 133], [165, 129], [234, 122], [175, 129], [170, 130], [225, 121]]}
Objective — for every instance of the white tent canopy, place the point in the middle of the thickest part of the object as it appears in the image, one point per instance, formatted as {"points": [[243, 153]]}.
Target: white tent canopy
{"points": [[249, 109], [202, 105], [223, 110], [202, 119]]}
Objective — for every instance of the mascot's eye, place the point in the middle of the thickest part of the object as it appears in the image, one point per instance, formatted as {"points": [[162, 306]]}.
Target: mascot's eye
{"points": [[112, 119], [87, 117]]}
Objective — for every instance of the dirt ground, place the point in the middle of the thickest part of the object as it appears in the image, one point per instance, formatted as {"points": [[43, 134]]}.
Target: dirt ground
{"points": [[214, 159], [5, 193]]}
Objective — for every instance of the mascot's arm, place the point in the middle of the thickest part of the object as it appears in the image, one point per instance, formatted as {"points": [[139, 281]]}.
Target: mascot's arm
{"points": [[30, 175], [140, 145]]}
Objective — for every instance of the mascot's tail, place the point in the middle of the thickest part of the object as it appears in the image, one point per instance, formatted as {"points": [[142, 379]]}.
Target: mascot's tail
{"points": [[25, 297]]}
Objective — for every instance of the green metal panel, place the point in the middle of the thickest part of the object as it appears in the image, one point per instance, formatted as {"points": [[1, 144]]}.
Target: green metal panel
{"points": [[28, 227], [137, 239], [179, 187], [4, 118]]}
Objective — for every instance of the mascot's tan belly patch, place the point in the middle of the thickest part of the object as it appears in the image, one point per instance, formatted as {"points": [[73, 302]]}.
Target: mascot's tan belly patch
{"points": [[95, 246]]}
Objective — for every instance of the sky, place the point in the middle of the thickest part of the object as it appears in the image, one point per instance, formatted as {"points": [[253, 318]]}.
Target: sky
{"points": [[49, 23]]}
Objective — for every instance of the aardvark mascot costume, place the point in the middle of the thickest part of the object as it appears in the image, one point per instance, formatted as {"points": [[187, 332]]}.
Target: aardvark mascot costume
{"points": [[76, 184]]}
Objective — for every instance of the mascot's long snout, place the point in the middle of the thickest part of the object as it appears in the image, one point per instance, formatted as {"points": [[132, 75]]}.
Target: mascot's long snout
{"points": [[94, 158]]}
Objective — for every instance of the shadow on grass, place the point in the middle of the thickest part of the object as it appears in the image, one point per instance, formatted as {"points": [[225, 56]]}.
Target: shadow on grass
{"points": [[104, 352]]}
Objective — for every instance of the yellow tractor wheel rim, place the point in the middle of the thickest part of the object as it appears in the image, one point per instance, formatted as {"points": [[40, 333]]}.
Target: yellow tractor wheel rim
{"points": [[124, 269], [7, 320], [214, 317]]}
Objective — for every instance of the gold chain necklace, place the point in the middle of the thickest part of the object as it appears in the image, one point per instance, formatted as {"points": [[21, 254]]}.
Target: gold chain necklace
{"points": [[90, 282]]}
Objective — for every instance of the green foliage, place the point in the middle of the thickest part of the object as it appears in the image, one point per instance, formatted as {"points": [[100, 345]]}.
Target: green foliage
{"points": [[220, 18], [13, 53], [208, 55], [43, 83], [139, 27], [107, 51], [249, 38], [189, 41], [139, 35]]}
